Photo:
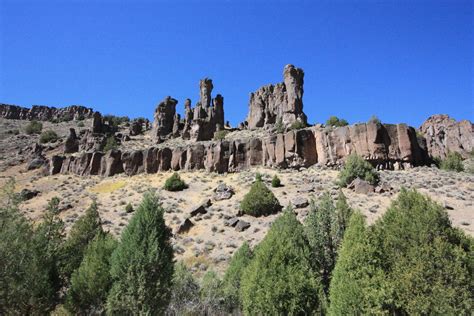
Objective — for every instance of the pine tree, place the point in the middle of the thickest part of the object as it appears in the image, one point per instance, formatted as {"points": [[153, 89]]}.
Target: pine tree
{"points": [[142, 264], [233, 275], [84, 230], [279, 280], [91, 282]]}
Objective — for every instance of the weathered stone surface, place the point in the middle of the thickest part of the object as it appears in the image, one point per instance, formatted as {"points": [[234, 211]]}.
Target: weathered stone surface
{"points": [[223, 192], [299, 202], [361, 186], [132, 162], [184, 226], [444, 134], [71, 145], [164, 118], [200, 209], [55, 165], [112, 163], [137, 126], [27, 194], [45, 113], [283, 101], [242, 225], [231, 222]]}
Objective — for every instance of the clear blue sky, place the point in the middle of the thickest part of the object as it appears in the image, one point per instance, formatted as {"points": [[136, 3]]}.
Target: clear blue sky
{"points": [[399, 60]]}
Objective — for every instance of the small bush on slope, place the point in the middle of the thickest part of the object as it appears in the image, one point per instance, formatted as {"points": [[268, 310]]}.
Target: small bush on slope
{"points": [[411, 261], [356, 167], [91, 282], [276, 182], [34, 127], [259, 200], [174, 183], [279, 279], [453, 162], [142, 264], [336, 122], [48, 136], [211, 294]]}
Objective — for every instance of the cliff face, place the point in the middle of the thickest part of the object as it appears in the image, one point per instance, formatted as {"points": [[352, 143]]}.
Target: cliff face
{"points": [[45, 113], [386, 146], [444, 134]]}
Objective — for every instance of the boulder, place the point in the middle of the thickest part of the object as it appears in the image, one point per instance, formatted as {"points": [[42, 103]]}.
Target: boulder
{"points": [[299, 202], [223, 192], [27, 194], [184, 226], [200, 209], [361, 186], [71, 145], [242, 225]]}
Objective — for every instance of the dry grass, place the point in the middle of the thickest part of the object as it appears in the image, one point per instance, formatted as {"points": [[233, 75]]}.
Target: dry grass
{"points": [[108, 186]]}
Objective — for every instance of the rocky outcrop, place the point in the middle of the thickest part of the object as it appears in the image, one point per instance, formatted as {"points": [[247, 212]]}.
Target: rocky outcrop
{"points": [[281, 102], [45, 113], [385, 146], [71, 145], [444, 134], [164, 118], [199, 124]]}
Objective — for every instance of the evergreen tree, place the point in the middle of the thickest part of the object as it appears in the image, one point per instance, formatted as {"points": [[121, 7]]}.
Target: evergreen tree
{"points": [[91, 282], [25, 284], [211, 294], [279, 280], [325, 226], [142, 264], [84, 230], [411, 261], [233, 275], [357, 281], [48, 243]]}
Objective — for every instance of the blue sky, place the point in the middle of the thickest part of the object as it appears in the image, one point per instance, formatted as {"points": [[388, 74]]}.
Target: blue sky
{"points": [[399, 60]]}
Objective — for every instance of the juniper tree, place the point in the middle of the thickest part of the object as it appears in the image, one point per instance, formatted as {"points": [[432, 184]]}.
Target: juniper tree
{"points": [[142, 264]]}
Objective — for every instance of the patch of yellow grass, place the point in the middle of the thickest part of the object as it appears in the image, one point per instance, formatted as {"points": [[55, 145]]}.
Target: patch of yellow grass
{"points": [[196, 260], [108, 187]]}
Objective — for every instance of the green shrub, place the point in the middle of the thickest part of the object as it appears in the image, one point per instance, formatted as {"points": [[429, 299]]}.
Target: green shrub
{"points": [[220, 135], [211, 294], [356, 167], [297, 125], [279, 280], [232, 277], [111, 143], [84, 230], [34, 127], [80, 124], [452, 162], [48, 136], [91, 282], [142, 263], [276, 182], [174, 183], [185, 299], [336, 122], [374, 120], [259, 200], [325, 227], [410, 262], [279, 126], [129, 208]]}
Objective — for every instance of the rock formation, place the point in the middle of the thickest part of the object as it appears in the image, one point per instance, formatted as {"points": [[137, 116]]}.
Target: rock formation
{"points": [[444, 134], [385, 146], [71, 145], [199, 123], [281, 102], [45, 113]]}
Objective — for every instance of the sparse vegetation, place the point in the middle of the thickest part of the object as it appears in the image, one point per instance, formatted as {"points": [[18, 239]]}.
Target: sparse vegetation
{"points": [[276, 182], [374, 120], [80, 124], [297, 125], [34, 127], [175, 183], [259, 200], [279, 126], [336, 122], [220, 135], [356, 167], [452, 162], [111, 143], [129, 208], [48, 136]]}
